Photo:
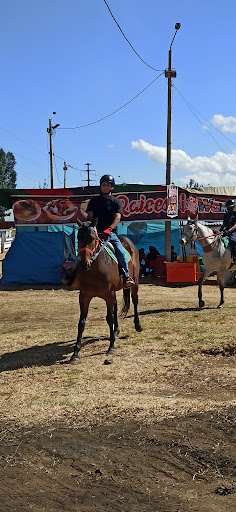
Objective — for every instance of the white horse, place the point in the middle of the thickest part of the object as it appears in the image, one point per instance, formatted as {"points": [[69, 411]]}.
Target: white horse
{"points": [[216, 257]]}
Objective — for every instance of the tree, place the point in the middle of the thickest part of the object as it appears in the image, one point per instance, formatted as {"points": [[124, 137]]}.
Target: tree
{"points": [[7, 175], [193, 184]]}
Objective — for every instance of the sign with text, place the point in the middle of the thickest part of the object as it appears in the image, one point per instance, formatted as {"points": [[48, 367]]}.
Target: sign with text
{"points": [[160, 204]]}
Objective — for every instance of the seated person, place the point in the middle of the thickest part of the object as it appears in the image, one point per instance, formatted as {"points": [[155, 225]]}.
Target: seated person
{"points": [[151, 256], [173, 254], [142, 262]]}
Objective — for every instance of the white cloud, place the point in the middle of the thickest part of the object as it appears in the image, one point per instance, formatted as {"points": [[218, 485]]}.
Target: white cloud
{"points": [[216, 170], [225, 124]]}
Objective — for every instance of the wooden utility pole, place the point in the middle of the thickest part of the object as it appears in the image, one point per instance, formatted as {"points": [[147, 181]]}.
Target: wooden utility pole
{"points": [[169, 74], [88, 171], [50, 132]]}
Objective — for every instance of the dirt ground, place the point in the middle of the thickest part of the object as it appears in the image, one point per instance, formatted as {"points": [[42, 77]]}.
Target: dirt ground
{"points": [[152, 432]]}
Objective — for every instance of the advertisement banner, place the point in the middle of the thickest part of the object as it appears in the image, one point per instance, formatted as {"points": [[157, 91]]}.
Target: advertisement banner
{"points": [[162, 203], [172, 201], [33, 210]]}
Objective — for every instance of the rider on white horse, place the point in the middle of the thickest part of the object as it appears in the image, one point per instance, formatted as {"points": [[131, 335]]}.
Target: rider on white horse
{"points": [[229, 225]]}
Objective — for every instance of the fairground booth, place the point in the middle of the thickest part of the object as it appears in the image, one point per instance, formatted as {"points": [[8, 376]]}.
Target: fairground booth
{"points": [[46, 227]]}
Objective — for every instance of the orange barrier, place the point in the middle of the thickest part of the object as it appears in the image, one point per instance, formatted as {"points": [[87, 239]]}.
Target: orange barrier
{"points": [[181, 272]]}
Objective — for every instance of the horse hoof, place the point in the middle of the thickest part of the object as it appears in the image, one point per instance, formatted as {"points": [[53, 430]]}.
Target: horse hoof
{"points": [[138, 328], [108, 360], [116, 332], [74, 360], [201, 304]]}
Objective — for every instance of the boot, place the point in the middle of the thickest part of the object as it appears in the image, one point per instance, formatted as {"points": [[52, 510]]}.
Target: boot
{"points": [[128, 282]]}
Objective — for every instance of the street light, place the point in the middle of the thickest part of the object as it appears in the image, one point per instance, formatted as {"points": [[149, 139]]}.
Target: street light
{"points": [[169, 74]]}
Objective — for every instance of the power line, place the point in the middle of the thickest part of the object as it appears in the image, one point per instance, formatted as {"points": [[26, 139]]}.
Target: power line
{"points": [[128, 40], [115, 111], [22, 140], [210, 135], [57, 172], [207, 120]]}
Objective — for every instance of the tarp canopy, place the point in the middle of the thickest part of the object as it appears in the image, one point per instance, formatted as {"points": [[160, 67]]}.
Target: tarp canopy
{"points": [[36, 257], [144, 234]]}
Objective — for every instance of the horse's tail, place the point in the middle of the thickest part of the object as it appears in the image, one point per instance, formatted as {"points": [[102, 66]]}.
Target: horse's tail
{"points": [[126, 302]]}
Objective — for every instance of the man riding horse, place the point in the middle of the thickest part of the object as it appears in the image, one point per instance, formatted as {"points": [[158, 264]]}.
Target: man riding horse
{"points": [[108, 209], [229, 226]]}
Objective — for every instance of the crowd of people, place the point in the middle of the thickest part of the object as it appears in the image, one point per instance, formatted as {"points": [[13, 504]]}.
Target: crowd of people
{"points": [[146, 260]]}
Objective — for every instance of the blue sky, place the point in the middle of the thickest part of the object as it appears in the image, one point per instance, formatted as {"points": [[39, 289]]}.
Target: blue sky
{"points": [[70, 57]]}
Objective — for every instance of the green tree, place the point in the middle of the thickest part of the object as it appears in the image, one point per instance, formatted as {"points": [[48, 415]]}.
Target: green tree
{"points": [[7, 175], [193, 184]]}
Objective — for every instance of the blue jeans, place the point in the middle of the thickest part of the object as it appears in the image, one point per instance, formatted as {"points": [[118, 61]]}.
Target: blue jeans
{"points": [[113, 238]]}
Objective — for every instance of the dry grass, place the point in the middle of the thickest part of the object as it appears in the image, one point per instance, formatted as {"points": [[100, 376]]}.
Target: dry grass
{"points": [[161, 372]]}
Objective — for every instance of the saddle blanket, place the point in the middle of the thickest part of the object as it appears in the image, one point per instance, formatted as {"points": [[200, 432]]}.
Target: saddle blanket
{"points": [[111, 253]]}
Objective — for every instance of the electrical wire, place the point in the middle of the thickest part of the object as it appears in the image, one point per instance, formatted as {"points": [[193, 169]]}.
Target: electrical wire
{"points": [[57, 171], [115, 111], [22, 140], [207, 120], [113, 17], [210, 135]]}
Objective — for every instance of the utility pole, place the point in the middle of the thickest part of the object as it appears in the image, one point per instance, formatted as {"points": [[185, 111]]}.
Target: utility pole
{"points": [[65, 169], [50, 131], [169, 74], [88, 171]]}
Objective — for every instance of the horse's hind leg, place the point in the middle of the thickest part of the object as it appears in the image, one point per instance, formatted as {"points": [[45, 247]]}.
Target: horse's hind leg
{"points": [[221, 281], [115, 313], [84, 305], [200, 301], [134, 294]]}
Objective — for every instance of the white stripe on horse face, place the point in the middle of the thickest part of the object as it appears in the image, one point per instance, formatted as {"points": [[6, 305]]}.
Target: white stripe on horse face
{"points": [[189, 233]]}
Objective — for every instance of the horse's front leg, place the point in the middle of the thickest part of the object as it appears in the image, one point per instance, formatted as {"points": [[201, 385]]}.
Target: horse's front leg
{"points": [[84, 305], [111, 306]]}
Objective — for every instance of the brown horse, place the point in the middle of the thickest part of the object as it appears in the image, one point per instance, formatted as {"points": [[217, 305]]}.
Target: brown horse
{"points": [[97, 275]]}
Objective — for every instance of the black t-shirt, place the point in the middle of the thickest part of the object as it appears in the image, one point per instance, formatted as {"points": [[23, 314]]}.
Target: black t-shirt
{"points": [[104, 208], [229, 219]]}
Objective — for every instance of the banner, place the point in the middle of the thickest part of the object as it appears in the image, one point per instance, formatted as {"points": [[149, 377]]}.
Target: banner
{"points": [[65, 206], [172, 201], [33, 210]]}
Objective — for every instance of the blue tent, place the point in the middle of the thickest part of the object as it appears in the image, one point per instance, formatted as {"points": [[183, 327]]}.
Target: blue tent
{"points": [[36, 257], [144, 234]]}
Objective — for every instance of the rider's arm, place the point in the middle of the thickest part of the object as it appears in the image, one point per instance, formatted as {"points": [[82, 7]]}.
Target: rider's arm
{"points": [[90, 216], [117, 217], [232, 228]]}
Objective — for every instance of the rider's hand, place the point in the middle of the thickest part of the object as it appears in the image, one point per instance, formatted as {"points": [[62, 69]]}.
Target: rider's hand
{"points": [[106, 233], [225, 232]]}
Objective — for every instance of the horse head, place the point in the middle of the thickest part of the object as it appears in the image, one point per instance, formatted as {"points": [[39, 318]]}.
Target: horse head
{"points": [[87, 241], [189, 231]]}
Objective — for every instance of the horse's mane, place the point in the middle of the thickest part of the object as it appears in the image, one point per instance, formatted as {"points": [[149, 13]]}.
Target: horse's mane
{"points": [[205, 229]]}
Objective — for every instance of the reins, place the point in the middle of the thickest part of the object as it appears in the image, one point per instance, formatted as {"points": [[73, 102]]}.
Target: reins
{"points": [[93, 251], [211, 246]]}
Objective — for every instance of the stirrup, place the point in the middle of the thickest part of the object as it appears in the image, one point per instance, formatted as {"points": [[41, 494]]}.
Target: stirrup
{"points": [[128, 282]]}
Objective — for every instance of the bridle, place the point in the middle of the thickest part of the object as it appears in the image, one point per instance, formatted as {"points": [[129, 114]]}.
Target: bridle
{"points": [[194, 237], [91, 251], [86, 249]]}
